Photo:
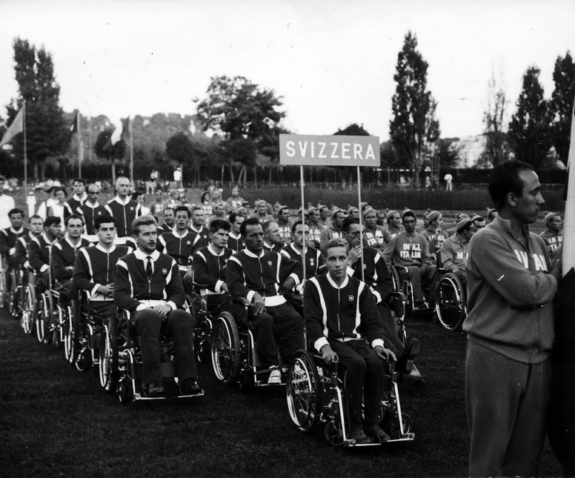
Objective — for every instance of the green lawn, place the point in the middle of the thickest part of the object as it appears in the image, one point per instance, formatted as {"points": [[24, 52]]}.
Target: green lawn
{"points": [[55, 421]]}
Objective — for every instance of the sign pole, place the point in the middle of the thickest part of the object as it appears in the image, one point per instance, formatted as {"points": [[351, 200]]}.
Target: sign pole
{"points": [[25, 155], [360, 221], [78, 122], [304, 245]]}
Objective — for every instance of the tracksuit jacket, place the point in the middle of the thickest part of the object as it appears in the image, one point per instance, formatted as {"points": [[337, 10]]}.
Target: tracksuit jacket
{"points": [[453, 254], [8, 239], [210, 268], [340, 313], [553, 240], [435, 239], [95, 266], [132, 288], [76, 202], [236, 243], [21, 254], [39, 252], [510, 293], [64, 255], [180, 248], [124, 213], [407, 250], [248, 273], [327, 235], [90, 212], [377, 238], [376, 273], [314, 259], [203, 234]]}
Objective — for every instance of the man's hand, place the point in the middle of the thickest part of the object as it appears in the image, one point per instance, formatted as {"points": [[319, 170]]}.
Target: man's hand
{"points": [[385, 354], [354, 254], [289, 284], [105, 290], [69, 268], [328, 355], [258, 304], [224, 288], [163, 310]]}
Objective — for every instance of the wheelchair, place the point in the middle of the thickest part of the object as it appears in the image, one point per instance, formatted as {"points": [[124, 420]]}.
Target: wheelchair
{"points": [[316, 398], [120, 362], [16, 276], [450, 301], [235, 359], [401, 283], [26, 305]]}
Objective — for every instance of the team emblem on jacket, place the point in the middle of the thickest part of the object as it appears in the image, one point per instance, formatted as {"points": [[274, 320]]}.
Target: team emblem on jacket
{"points": [[270, 263], [131, 209], [351, 297], [165, 271], [188, 243], [311, 263]]}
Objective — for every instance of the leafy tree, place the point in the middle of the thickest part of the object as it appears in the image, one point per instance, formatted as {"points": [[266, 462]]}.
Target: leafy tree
{"points": [[413, 125], [239, 109], [186, 152], [497, 149], [47, 133], [448, 153], [562, 104], [530, 126], [352, 130], [105, 150]]}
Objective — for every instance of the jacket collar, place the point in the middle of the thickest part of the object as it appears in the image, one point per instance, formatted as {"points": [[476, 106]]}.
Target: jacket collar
{"points": [[112, 249], [334, 285], [142, 256], [251, 254]]}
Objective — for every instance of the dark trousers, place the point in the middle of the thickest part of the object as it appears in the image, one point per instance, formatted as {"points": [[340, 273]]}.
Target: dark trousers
{"points": [[180, 325], [279, 327], [392, 340], [418, 275], [363, 372]]}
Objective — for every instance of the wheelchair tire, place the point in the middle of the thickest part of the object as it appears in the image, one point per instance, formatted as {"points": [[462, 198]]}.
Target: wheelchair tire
{"points": [[304, 392], [395, 280], [69, 337], [43, 318], [225, 349], [108, 355], [449, 302], [28, 307], [124, 392], [333, 433]]}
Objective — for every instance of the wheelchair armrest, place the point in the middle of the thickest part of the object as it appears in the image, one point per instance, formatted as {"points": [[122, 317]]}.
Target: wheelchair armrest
{"points": [[397, 296], [240, 301]]}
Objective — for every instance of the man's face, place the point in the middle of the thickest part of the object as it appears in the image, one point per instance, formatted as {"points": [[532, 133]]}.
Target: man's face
{"points": [[314, 216], [16, 220], [141, 199], [218, 209], [262, 209], [182, 220], [526, 208], [220, 238], [54, 230], [337, 262], [354, 212], [371, 220], [555, 223], [92, 194], [169, 217], [380, 219], [395, 221], [409, 224], [123, 187], [158, 196], [324, 213], [74, 228], [147, 238], [237, 223], [353, 235], [273, 233], [198, 218], [254, 238], [433, 225], [107, 233], [301, 233], [468, 234], [339, 218], [174, 194], [36, 226], [235, 192], [79, 188], [284, 214]]}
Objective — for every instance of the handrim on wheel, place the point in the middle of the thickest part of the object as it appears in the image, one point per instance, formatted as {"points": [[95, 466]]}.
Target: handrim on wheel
{"points": [[449, 302], [108, 357], [304, 392], [28, 305], [225, 348], [42, 318]]}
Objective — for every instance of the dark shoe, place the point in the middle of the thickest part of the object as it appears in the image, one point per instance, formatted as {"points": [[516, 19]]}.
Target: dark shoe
{"points": [[420, 305], [412, 375], [378, 433], [154, 389], [359, 436], [189, 386], [412, 349]]}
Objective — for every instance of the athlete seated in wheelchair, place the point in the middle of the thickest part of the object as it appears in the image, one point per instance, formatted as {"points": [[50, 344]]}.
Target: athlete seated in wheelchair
{"points": [[258, 277], [450, 291], [343, 325], [94, 280], [409, 253], [9, 265], [148, 289]]}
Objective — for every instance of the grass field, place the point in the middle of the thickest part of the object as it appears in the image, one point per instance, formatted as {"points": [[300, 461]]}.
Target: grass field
{"points": [[55, 421]]}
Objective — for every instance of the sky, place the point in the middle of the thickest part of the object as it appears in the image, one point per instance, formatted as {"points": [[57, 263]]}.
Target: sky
{"points": [[332, 62]]}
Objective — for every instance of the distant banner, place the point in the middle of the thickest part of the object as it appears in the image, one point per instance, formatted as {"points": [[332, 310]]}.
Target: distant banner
{"points": [[311, 150]]}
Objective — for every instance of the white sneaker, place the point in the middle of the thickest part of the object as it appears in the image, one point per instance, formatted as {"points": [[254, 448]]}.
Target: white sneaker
{"points": [[275, 377]]}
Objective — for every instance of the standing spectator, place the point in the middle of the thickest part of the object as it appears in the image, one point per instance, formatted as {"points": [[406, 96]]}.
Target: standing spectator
{"points": [[56, 205], [510, 330], [235, 201], [90, 211], [6, 205], [79, 197], [448, 182], [206, 203], [140, 198], [31, 203], [157, 205], [123, 209], [178, 177], [219, 213]]}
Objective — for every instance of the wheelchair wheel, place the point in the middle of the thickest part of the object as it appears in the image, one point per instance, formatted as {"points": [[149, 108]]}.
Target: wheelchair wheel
{"points": [[11, 297], [333, 432], [395, 280], [28, 306], [225, 349], [108, 356], [69, 337], [304, 392], [43, 318], [125, 392], [449, 302]]}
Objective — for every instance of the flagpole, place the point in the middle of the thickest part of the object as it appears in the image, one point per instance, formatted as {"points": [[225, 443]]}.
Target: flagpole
{"points": [[131, 151], [304, 244], [79, 144], [360, 221], [25, 156]]}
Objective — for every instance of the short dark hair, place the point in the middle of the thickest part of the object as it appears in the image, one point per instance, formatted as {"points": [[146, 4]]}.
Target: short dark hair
{"points": [[169, 208], [233, 216], [146, 220], [15, 211], [336, 242], [137, 194], [349, 221], [266, 225], [51, 220], [504, 179], [218, 224], [250, 221], [296, 224], [105, 219], [59, 188], [73, 216], [35, 216], [79, 180], [182, 209]]}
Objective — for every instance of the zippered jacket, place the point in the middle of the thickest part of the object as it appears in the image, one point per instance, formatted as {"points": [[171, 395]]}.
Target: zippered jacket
{"points": [[210, 268]]}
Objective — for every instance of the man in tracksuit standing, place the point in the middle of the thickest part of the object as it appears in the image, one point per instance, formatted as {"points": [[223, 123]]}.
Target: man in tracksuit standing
{"points": [[343, 325], [124, 209], [258, 276], [510, 330], [90, 210]]}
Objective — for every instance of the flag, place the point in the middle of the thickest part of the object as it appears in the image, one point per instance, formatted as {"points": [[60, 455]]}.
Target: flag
{"points": [[120, 132], [74, 125], [16, 127]]}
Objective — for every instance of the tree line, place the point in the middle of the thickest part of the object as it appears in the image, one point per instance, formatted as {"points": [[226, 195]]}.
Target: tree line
{"points": [[234, 131]]}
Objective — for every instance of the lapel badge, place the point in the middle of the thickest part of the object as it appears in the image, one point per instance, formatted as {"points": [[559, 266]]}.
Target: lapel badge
{"points": [[351, 297], [270, 263], [165, 271]]}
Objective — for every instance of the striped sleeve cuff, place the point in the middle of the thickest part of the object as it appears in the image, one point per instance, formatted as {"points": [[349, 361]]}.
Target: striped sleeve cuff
{"points": [[377, 342], [319, 343]]}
